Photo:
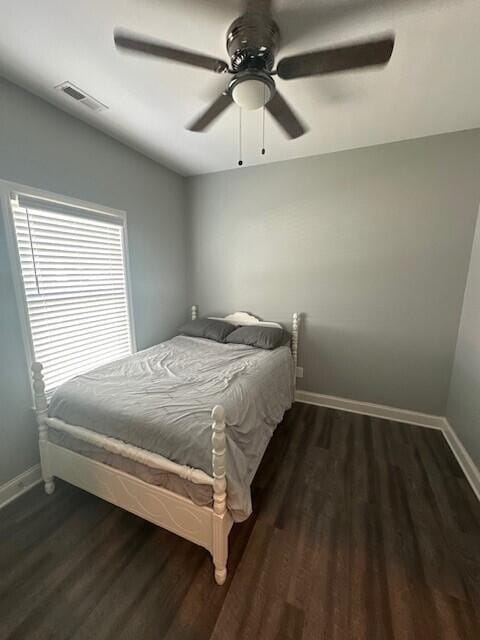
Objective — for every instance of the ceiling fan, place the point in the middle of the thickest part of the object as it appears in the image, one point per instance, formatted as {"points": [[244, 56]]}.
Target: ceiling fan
{"points": [[252, 43]]}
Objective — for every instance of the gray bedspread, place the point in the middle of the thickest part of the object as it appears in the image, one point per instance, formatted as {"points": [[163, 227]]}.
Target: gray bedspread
{"points": [[161, 398]]}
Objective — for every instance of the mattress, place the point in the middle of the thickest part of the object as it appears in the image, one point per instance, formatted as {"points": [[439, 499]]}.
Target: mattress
{"points": [[200, 494], [160, 399]]}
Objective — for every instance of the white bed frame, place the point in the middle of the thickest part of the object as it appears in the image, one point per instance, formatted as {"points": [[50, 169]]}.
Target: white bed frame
{"points": [[206, 526]]}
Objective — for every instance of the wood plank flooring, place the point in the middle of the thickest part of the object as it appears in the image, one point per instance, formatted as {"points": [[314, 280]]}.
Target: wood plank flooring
{"points": [[363, 529]]}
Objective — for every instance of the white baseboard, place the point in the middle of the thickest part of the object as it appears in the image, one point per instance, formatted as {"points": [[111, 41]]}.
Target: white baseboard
{"points": [[402, 415], [16, 486], [374, 410], [468, 466]]}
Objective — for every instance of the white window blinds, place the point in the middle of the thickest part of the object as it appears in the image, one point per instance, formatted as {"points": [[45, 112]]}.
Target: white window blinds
{"points": [[73, 269]]}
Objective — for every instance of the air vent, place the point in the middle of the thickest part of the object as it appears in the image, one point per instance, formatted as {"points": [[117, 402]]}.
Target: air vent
{"points": [[73, 92]]}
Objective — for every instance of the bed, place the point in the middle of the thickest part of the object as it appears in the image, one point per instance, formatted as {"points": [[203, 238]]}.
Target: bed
{"points": [[173, 434]]}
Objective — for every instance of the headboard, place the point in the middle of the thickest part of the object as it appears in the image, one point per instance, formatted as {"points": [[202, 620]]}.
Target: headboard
{"points": [[245, 318]]}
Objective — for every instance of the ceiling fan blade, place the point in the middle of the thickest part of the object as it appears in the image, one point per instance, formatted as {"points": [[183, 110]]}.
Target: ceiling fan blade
{"points": [[279, 108], [353, 56], [223, 101], [134, 43]]}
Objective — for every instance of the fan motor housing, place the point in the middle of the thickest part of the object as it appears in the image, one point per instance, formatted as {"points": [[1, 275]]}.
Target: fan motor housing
{"points": [[252, 42]]}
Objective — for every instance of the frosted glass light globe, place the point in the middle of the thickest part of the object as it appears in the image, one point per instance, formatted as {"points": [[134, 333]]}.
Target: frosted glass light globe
{"points": [[251, 94]]}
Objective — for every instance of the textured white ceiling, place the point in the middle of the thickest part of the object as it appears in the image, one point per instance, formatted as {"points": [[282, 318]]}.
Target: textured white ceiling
{"points": [[430, 86]]}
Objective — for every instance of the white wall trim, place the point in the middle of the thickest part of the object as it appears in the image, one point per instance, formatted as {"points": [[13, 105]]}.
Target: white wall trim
{"points": [[20, 484], [429, 421], [468, 466], [374, 410]]}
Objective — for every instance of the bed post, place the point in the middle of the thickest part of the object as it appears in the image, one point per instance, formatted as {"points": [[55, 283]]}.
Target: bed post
{"points": [[41, 414], [295, 327], [220, 530], [194, 312]]}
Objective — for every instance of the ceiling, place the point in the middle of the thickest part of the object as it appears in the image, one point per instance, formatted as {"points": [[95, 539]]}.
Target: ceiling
{"points": [[430, 86]]}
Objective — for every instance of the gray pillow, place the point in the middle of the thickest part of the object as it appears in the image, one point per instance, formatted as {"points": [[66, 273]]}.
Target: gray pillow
{"points": [[261, 337], [216, 330]]}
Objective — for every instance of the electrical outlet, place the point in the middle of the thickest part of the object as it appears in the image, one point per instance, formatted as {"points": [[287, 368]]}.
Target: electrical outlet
{"points": [[299, 372]]}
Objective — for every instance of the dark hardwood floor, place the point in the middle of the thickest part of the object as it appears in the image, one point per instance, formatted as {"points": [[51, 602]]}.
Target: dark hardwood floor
{"points": [[363, 529]]}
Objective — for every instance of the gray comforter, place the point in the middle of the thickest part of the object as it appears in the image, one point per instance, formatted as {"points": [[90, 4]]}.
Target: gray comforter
{"points": [[161, 398]]}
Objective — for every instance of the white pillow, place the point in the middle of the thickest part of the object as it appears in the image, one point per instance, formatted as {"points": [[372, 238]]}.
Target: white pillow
{"points": [[245, 319]]}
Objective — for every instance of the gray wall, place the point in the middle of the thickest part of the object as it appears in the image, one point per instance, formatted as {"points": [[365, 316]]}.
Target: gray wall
{"points": [[371, 244], [463, 408], [43, 147]]}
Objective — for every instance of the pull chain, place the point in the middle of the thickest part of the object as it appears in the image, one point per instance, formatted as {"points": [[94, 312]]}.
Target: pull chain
{"points": [[263, 120], [240, 161]]}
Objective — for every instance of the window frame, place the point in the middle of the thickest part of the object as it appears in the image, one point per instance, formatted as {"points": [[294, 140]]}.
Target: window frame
{"points": [[9, 189]]}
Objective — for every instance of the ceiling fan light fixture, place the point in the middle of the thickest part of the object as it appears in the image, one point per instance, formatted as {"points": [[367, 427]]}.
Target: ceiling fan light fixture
{"points": [[251, 93]]}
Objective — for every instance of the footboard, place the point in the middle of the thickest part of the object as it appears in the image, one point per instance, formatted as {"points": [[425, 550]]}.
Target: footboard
{"points": [[155, 504], [206, 526]]}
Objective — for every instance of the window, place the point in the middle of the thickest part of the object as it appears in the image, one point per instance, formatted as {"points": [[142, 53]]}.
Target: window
{"points": [[74, 278]]}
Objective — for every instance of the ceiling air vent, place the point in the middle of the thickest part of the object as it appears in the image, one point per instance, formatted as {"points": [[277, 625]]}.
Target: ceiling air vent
{"points": [[73, 92]]}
